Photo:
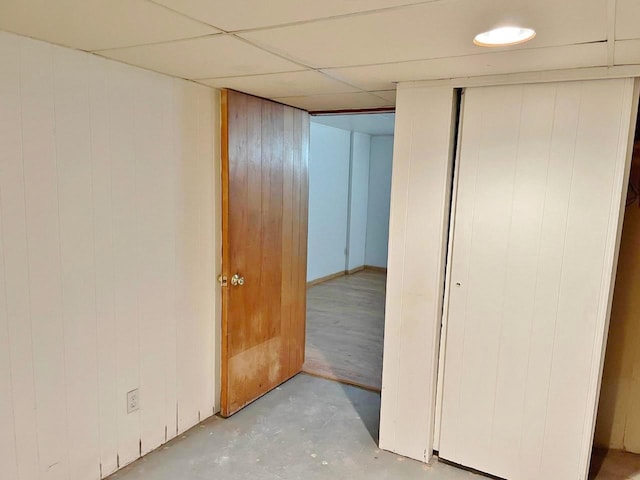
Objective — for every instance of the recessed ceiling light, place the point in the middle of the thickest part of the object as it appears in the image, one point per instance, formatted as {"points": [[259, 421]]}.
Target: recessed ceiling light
{"points": [[504, 36]]}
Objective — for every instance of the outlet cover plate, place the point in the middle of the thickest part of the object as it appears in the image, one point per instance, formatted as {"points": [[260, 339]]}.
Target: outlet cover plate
{"points": [[133, 401]]}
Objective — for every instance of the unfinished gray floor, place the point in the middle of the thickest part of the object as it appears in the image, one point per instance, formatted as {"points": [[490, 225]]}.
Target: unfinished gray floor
{"points": [[309, 428]]}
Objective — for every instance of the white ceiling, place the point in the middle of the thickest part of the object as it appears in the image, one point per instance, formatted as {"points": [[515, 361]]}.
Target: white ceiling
{"points": [[332, 54], [370, 123]]}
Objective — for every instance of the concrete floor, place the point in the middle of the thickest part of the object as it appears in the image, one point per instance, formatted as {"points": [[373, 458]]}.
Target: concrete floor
{"points": [[309, 428]]}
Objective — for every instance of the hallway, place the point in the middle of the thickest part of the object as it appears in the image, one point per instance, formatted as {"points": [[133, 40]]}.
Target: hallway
{"points": [[345, 329]]}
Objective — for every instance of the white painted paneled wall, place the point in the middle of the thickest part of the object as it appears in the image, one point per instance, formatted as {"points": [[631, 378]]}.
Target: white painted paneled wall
{"points": [[107, 253], [418, 226]]}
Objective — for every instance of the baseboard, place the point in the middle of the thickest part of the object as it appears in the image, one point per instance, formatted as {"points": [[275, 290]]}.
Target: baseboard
{"points": [[355, 270], [326, 278], [361, 268], [373, 268]]}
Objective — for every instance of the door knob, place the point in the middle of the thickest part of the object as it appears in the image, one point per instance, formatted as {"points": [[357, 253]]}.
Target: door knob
{"points": [[237, 280]]}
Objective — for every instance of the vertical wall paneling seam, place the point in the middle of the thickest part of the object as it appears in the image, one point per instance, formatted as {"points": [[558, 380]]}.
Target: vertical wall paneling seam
{"points": [[107, 89], [209, 245], [8, 337], [26, 239], [175, 243], [137, 205], [564, 247], [93, 253], [507, 255], [117, 313], [536, 283], [95, 276], [137, 265], [200, 265], [62, 303], [629, 110], [113, 270]]}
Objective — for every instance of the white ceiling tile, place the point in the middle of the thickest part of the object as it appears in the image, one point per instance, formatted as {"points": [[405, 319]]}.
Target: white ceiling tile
{"points": [[339, 101], [388, 95], [246, 14], [433, 30], [380, 77], [627, 52], [627, 19], [97, 24], [308, 82], [206, 57], [369, 78]]}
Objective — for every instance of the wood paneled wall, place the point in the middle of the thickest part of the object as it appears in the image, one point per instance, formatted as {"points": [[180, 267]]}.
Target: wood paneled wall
{"points": [[107, 255]]}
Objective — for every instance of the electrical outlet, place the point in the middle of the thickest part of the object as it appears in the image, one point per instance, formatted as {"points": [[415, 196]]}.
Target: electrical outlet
{"points": [[133, 401]]}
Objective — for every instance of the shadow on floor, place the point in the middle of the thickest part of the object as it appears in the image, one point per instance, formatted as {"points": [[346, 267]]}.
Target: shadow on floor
{"points": [[614, 465], [368, 410], [597, 460]]}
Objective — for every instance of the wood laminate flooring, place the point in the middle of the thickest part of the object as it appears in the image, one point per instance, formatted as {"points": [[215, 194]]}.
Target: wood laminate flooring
{"points": [[345, 329]]}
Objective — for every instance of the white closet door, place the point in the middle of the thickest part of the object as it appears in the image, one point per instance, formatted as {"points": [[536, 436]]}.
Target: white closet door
{"points": [[540, 181]]}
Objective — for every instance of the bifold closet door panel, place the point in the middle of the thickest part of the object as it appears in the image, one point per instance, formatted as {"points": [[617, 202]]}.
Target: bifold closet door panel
{"points": [[540, 180]]}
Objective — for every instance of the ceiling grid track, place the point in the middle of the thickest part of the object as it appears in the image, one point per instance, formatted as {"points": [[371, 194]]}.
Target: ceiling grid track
{"points": [[335, 55]]}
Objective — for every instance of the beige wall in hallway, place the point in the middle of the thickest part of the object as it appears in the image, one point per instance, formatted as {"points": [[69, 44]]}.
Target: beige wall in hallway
{"points": [[618, 424]]}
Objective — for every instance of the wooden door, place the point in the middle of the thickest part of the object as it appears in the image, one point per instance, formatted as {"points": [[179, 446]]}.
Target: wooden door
{"points": [[541, 180], [265, 203]]}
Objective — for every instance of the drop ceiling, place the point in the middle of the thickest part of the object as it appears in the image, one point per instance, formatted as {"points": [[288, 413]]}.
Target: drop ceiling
{"points": [[332, 54]]}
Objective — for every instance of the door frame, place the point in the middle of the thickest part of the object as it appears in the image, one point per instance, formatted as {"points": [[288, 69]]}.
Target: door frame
{"points": [[224, 247]]}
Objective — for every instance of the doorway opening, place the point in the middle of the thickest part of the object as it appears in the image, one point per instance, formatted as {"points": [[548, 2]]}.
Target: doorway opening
{"points": [[350, 163], [616, 453]]}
